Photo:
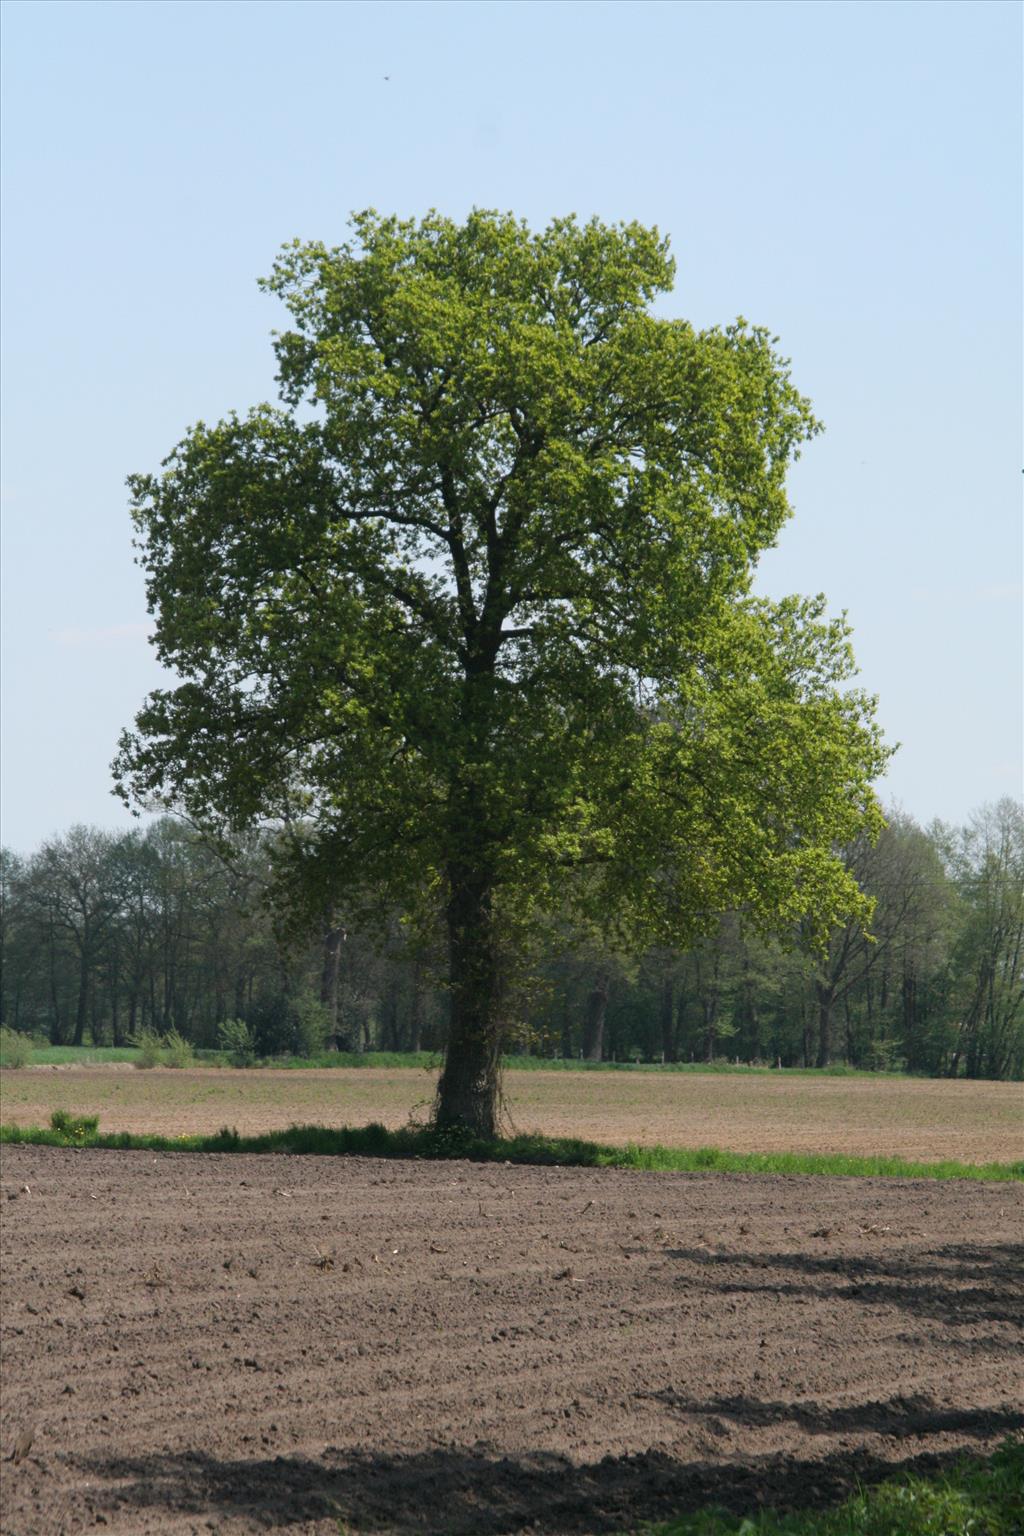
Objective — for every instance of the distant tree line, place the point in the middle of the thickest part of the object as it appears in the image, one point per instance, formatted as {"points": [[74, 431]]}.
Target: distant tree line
{"points": [[103, 936]]}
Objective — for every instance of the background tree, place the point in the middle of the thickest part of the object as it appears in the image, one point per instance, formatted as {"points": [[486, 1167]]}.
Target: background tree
{"points": [[474, 608], [945, 993], [986, 863], [12, 978]]}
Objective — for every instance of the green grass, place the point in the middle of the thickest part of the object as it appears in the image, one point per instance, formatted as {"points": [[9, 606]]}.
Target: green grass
{"points": [[979, 1497], [728, 1068], [420, 1142], [98, 1055], [80, 1055], [424, 1061]]}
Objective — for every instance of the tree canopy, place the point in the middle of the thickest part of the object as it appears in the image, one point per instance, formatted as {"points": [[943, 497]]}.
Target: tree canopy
{"points": [[471, 611]]}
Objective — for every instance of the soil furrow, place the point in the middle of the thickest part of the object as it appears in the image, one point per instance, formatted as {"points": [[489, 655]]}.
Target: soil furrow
{"points": [[233, 1343]]}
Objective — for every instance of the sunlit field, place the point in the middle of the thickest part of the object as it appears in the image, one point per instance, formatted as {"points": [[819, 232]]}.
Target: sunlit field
{"points": [[918, 1119]]}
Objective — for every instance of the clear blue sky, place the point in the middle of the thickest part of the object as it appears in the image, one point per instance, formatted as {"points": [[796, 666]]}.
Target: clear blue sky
{"points": [[847, 174]]}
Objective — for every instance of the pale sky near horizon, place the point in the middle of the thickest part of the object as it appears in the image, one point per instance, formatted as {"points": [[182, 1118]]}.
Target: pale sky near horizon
{"points": [[848, 174]]}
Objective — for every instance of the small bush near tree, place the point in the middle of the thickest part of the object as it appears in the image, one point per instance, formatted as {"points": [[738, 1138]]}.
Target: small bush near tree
{"points": [[271, 1026], [311, 1026], [176, 1051], [149, 1043], [15, 1049], [289, 1024], [235, 1037], [157, 1050]]}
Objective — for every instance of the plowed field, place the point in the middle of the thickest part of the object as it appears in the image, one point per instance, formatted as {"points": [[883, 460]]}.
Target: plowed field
{"points": [[251, 1344], [915, 1118]]}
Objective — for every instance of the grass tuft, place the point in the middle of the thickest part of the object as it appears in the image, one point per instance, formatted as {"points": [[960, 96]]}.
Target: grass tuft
{"points": [[77, 1130], [422, 1142]]}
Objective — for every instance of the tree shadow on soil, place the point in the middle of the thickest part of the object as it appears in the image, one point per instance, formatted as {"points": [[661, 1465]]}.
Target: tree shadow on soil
{"points": [[955, 1284], [474, 1491]]}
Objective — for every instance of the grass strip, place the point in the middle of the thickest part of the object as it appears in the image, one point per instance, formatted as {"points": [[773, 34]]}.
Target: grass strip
{"points": [[427, 1061], [978, 1497], [75, 1055], [422, 1142]]}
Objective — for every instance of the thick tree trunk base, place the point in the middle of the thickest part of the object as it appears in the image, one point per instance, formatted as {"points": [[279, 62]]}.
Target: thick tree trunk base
{"points": [[469, 1090]]}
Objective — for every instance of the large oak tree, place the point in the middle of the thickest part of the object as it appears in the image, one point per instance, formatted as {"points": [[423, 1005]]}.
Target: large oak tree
{"points": [[472, 612]]}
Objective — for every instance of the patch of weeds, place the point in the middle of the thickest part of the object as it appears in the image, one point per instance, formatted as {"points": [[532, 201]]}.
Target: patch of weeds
{"points": [[74, 1130]]}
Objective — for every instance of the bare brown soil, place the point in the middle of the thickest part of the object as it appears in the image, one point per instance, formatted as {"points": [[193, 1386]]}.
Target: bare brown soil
{"points": [[250, 1344], [918, 1119]]}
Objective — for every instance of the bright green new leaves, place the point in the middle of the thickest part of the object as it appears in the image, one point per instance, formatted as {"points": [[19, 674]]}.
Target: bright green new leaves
{"points": [[475, 603]]}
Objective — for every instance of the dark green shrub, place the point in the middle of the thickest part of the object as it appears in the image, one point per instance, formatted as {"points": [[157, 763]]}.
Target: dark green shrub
{"points": [[311, 1026]]}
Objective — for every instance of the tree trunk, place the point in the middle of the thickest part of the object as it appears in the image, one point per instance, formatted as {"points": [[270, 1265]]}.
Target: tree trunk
{"points": [[333, 938], [567, 1048], [825, 1001], [82, 1011], [416, 1008], [851, 1045], [56, 1032], [593, 1019], [469, 1086], [668, 1015], [710, 1008], [389, 1017], [910, 1044]]}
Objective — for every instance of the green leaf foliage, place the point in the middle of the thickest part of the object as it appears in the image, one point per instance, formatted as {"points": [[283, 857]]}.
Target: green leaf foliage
{"points": [[473, 608]]}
